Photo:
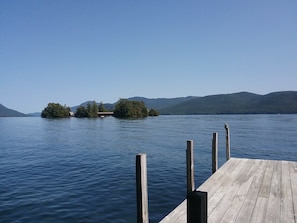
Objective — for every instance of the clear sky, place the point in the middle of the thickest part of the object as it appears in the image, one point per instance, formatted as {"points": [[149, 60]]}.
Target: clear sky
{"points": [[70, 51]]}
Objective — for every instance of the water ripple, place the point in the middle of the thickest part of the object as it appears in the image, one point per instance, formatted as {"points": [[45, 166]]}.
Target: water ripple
{"points": [[83, 170]]}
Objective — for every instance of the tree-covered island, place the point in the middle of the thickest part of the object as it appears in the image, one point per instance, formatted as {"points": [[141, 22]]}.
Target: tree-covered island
{"points": [[124, 109], [130, 109], [91, 111], [55, 110]]}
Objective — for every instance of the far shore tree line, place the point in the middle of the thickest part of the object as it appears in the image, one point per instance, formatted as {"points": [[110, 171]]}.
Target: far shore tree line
{"points": [[124, 109]]}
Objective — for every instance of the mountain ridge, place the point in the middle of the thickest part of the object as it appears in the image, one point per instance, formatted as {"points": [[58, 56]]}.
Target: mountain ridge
{"points": [[7, 112], [284, 102], [281, 102]]}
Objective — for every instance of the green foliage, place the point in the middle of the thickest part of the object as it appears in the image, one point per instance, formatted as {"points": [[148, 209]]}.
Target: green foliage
{"points": [[101, 107], [130, 109], [81, 112], [55, 110], [153, 112], [91, 111]]}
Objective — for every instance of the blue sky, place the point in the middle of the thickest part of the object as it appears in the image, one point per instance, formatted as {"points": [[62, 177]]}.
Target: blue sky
{"points": [[71, 51]]}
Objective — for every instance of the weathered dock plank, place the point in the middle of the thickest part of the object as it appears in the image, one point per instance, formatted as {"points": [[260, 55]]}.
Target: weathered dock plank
{"points": [[273, 208], [260, 209], [238, 201], [229, 192], [287, 209], [248, 190], [293, 178], [245, 213]]}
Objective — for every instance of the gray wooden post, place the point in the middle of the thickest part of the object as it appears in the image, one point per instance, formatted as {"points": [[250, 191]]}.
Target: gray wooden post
{"points": [[227, 142], [190, 166], [141, 189], [214, 152], [196, 200]]}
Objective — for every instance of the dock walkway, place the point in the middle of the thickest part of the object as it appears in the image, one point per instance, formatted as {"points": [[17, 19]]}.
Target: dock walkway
{"points": [[248, 190]]}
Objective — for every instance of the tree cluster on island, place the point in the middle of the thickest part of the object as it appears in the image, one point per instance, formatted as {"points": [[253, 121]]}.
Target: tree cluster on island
{"points": [[123, 109], [55, 110], [133, 109], [90, 111]]}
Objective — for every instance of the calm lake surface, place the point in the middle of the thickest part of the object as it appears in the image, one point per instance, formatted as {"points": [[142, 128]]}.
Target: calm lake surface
{"points": [[83, 170]]}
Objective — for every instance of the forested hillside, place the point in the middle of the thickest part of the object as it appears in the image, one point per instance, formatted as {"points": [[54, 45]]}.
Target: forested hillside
{"points": [[6, 112], [284, 102], [238, 103]]}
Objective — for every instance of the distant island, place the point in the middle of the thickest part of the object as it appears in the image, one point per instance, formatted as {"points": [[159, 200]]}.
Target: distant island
{"points": [[124, 109], [284, 102]]}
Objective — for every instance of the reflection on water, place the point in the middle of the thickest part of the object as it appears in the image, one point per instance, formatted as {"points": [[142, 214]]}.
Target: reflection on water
{"points": [[83, 170]]}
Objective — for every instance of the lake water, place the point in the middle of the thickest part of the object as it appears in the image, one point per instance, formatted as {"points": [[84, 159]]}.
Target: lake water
{"points": [[83, 170]]}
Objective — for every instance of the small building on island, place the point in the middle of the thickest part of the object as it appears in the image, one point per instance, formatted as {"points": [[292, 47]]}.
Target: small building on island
{"points": [[104, 114]]}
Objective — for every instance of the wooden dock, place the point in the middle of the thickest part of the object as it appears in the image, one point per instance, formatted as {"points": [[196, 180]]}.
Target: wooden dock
{"points": [[248, 190]]}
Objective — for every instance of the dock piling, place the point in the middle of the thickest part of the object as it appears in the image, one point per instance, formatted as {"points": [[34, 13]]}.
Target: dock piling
{"points": [[190, 166], [197, 207], [214, 152], [196, 200], [141, 189], [227, 142]]}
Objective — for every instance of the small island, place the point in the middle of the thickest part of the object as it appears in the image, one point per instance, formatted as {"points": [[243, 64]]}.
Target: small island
{"points": [[55, 110], [124, 109]]}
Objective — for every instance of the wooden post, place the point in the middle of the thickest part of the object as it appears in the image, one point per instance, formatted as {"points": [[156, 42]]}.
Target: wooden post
{"points": [[214, 152], [227, 142], [141, 189], [190, 166], [197, 207], [196, 200]]}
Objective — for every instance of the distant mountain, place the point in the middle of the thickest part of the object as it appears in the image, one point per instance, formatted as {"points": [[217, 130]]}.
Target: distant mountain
{"points": [[34, 114], [6, 112], [107, 106], [161, 103], [284, 102], [157, 103], [238, 103]]}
